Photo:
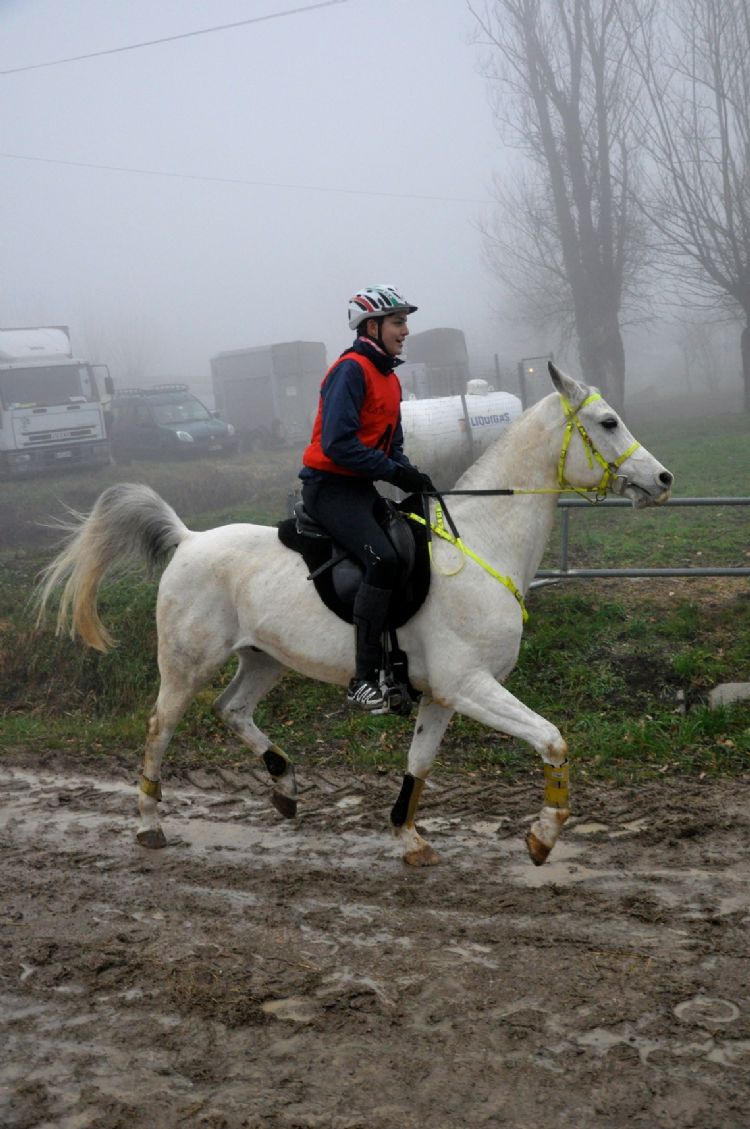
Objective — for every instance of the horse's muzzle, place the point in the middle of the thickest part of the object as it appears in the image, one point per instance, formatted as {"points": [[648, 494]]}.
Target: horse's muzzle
{"points": [[641, 497]]}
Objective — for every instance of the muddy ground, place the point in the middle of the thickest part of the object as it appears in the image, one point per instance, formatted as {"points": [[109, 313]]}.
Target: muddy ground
{"points": [[260, 973]]}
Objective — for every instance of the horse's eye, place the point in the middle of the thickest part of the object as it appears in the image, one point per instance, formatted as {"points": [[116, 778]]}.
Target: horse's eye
{"points": [[609, 424]]}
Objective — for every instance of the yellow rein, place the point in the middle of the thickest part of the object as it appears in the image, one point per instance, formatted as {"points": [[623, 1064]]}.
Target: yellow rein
{"points": [[439, 528], [563, 487]]}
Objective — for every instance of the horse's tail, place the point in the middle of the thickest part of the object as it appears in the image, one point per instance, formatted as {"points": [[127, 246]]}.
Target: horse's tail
{"points": [[129, 520]]}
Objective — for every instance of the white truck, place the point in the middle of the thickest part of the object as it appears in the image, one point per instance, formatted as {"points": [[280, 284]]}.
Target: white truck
{"points": [[51, 410]]}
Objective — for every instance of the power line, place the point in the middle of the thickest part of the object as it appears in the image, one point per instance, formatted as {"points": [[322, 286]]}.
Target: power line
{"points": [[173, 38], [242, 181]]}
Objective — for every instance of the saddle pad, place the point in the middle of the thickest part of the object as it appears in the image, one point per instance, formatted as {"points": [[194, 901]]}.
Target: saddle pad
{"points": [[316, 551]]}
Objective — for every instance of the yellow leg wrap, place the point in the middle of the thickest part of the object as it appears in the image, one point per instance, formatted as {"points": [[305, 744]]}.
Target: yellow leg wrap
{"points": [[151, 788], [557, 786]]}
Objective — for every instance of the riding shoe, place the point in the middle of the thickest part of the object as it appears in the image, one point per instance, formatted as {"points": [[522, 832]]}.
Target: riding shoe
{"points": [[366, 695]]}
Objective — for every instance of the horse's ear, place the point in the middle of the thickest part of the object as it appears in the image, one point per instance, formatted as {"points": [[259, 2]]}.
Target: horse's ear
{"points": [[566, 385]]}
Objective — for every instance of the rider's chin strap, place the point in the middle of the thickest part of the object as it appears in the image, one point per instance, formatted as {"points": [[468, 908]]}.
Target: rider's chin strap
{"points": [[610, 479]]}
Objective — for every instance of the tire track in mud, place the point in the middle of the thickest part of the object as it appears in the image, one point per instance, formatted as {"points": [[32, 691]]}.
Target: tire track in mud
{"points": [[265, 973]]}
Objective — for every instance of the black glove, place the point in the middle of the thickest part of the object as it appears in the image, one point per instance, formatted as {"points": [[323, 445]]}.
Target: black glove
{"points": [[412, 481]]}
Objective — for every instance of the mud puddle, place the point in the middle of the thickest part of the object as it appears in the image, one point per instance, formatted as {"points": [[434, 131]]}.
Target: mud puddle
{"points": [[265, 973]]}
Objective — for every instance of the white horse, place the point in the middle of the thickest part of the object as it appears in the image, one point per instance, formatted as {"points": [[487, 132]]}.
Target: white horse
{"points": [[237, 590]]}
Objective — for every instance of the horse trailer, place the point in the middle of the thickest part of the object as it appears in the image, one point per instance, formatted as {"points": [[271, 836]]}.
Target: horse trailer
{"points": [[270, 393], [437, 364]]}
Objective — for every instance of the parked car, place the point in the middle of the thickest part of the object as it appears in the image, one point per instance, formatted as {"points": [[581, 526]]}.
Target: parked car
{"points": [[164, 422]]}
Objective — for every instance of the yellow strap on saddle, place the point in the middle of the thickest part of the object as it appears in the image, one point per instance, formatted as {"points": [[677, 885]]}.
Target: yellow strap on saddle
{"points": [[439, 528]]}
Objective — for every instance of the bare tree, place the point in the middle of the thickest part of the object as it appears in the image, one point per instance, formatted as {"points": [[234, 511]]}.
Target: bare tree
{"points": [[130, 349], [697, 73], [565, 93]]}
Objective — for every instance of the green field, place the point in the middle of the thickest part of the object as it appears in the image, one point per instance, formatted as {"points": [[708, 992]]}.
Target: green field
{"points": [[622, 667]]}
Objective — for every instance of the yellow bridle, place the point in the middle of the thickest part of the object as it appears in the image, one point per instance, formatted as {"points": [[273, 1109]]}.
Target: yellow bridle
{"points": [[609, 475], [609, 470]]}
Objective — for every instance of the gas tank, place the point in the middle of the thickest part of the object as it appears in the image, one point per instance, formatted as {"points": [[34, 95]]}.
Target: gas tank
{"points": [[439, 429]]}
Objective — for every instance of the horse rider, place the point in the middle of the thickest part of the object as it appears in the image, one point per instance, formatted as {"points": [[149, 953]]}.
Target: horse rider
{"points": [[357, 440]]}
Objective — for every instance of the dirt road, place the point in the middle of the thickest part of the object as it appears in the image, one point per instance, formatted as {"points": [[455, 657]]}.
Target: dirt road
{"points": [[259, 973]]}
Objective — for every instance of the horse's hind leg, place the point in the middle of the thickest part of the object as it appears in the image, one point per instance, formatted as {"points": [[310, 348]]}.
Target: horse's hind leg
{"points": [[176, 691], [432, 721], [256, 674]]}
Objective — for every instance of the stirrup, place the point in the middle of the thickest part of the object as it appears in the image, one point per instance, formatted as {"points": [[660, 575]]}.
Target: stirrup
{"points": [[366, 695]]}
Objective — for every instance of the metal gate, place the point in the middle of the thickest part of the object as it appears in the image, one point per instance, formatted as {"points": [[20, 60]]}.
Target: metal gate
{"points": [[564, 572]]}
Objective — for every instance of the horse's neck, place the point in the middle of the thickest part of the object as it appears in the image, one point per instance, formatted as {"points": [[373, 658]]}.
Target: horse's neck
{"points": [[526, 456], [516, 528]]}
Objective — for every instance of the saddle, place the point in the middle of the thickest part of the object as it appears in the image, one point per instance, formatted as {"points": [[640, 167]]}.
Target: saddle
{"points": [[337, 576]]}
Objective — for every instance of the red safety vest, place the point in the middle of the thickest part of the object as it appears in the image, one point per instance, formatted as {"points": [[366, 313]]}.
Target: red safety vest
{"points": [[378, 416]]}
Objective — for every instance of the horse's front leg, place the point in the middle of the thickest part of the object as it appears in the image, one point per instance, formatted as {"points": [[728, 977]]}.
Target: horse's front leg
{"points": [[432, 721], [482, 698]]}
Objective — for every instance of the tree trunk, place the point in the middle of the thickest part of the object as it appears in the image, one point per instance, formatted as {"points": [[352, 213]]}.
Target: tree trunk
{"points": [[745, 350], [602, 356]]}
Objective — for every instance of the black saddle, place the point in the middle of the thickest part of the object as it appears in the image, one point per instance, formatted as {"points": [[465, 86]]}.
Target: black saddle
{"points": [[337, 575]]}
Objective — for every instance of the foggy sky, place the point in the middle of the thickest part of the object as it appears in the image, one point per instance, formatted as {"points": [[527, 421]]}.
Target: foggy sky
{"points": [[383, 98]]}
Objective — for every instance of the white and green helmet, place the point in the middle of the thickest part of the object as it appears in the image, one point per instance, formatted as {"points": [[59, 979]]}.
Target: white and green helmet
{"points": [[376, 302]]}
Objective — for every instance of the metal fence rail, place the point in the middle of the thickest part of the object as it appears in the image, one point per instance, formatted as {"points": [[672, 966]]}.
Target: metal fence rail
{"points": [[565, 572]]}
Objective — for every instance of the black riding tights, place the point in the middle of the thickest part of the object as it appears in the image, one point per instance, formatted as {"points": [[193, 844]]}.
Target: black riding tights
{"points": [[349, 509]]}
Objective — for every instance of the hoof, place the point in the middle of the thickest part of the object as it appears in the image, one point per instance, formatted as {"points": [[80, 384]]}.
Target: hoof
{"points": [[538, 851], [422, 856], [284, 805], [152, 839]]}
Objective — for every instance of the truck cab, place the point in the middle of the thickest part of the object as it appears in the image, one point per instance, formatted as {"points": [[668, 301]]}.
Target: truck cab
{"points": [[51, 414]]}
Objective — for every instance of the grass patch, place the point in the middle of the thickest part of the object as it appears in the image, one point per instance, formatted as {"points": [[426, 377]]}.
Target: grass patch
{"points": [[622, 667], [222, 488], [708, 459], [621, 675]]}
